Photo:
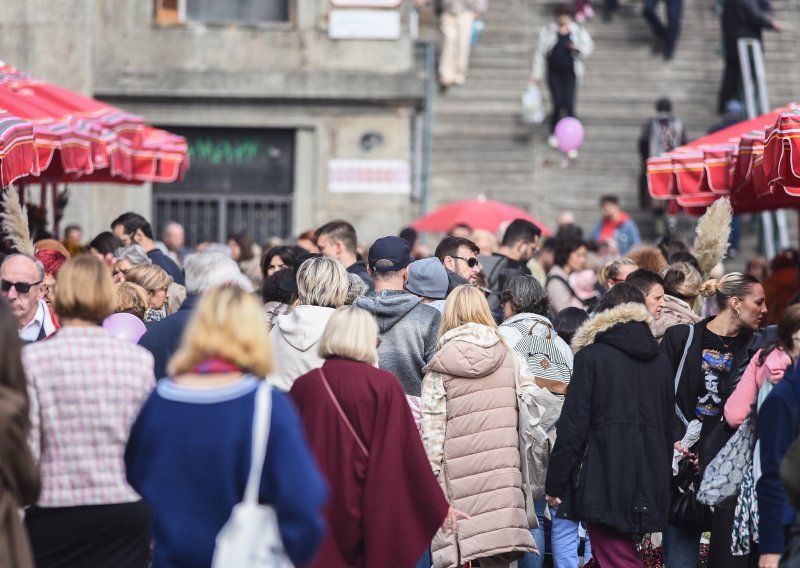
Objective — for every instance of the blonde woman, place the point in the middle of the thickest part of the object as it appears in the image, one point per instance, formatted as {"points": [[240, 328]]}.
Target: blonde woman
{"points": [[189, 451], [85, 389], [322, 286], [366, 474], [681, 287], [616, 271], [132, 299], [469, 429], [156, 282]]}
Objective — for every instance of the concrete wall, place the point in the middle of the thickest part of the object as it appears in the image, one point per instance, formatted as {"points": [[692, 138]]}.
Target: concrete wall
{"points": [[265, 75]]}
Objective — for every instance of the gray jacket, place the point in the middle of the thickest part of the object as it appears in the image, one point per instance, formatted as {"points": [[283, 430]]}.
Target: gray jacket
{"points": [[409, 330]]}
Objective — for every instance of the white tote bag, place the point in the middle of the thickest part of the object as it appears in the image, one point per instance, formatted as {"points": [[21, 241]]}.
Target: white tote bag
{"points": [[250, 538]]}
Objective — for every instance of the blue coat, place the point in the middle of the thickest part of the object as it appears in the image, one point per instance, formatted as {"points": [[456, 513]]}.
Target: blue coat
{"points": [[778, 425], [164, 337]]}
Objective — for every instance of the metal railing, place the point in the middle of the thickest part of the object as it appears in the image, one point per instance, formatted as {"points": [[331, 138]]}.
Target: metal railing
{"points": [[211, 218]]}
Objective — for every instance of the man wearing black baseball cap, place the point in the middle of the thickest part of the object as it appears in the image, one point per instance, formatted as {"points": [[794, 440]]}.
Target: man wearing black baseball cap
{"points": [[402, 319]]}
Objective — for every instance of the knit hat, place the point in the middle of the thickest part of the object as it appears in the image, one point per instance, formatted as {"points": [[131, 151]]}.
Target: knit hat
{"points": [[427, 278]]}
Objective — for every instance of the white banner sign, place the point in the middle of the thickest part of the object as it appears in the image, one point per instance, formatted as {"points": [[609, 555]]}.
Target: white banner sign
{"points": [[364, 24], [369, 176]]}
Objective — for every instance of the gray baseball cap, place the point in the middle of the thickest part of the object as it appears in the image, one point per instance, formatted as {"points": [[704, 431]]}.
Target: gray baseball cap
{"points": [[427, 278]]}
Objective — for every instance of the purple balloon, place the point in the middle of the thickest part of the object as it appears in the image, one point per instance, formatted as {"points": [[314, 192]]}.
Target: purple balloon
{"points": [[569, 133], [126, 327]]}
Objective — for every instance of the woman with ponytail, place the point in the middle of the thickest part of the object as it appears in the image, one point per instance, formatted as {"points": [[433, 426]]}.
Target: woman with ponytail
{"points": [[708, 359]]}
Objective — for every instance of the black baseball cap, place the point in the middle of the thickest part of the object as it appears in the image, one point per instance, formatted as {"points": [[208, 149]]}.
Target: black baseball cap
{"points": [[389, 254]]}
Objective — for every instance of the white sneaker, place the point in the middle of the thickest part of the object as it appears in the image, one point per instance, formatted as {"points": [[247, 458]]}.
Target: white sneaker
{"points": [[572, 154], [552, 141]]}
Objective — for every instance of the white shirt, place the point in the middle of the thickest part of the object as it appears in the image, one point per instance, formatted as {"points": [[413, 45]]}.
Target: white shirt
{"points": [[30, 331]]}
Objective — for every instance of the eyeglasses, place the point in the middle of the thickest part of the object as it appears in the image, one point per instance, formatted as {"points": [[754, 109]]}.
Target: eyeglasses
{"points": [[471, 261], [20, 287]]}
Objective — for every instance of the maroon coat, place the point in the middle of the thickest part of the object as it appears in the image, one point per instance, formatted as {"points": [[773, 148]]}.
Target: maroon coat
{"points": [[384, 508]]}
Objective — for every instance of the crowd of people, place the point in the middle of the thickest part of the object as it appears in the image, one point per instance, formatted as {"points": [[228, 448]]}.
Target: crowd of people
{"points": [[501, 400]]}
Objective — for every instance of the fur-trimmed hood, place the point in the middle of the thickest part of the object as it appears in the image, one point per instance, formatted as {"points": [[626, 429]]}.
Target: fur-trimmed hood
{"points": [[606, 327]]}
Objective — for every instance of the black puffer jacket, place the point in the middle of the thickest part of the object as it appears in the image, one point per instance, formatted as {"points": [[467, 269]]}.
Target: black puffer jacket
{"points": [[612, 458]]}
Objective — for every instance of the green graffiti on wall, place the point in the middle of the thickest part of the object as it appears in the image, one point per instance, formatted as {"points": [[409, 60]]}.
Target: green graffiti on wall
{"points": [[220, 151]]}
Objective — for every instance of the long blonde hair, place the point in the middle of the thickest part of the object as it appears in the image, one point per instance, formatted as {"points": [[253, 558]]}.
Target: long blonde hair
{"points": [[230, 324], [466, 304]]}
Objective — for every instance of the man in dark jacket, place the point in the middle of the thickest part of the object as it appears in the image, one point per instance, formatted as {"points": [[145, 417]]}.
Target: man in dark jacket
{"points": [[133, 229], [338, 240], [518, 246], [778, 424], [203, 271], [610, 465], [741, 19]]}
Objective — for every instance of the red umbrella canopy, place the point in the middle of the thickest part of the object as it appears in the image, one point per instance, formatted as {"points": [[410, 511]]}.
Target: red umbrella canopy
{"points": [[480, 213], [782, 153], [58, 135], [727, 162]]}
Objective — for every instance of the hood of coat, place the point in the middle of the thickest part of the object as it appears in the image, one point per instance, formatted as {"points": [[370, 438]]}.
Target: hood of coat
{"points": [[680, 308], [388, 306], [303, 327], [625, 327], [470, 351], [528, 320]]}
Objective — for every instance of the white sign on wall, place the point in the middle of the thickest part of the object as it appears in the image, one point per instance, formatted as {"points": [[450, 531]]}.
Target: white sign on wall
{"points": [[369, 176], [364, 24]]}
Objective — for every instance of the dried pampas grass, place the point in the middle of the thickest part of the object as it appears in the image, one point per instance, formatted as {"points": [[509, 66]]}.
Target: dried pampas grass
{"points": [[713, 231], [15, 222]]}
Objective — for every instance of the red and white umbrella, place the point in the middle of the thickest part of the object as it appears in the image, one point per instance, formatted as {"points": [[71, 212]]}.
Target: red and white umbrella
{"points": [[55, 135]]}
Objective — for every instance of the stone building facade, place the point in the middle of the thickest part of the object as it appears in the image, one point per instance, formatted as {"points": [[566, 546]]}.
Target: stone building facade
{"points": [[296, 111]]}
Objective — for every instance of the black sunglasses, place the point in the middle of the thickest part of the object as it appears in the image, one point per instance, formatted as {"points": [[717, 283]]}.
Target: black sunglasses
{"points": [[20, 287], [471, 262]]}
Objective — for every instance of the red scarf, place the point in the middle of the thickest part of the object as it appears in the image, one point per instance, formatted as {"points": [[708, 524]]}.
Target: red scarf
{"points": [[610, 227]]}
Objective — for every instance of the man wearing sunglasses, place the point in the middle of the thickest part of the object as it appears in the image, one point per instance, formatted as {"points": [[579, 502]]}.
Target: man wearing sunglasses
{"points": [[460, 258], [21, 279]]}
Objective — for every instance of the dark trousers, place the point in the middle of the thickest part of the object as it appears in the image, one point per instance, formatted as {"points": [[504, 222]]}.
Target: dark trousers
{"points": [[92, 536], [668, 33], [562, 90], [731, 87]]}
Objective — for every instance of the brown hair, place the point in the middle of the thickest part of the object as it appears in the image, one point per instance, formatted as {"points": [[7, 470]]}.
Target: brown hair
{"points": [[787, 327], [649, 258], [85, 290], [682, 280], [132, 299]]}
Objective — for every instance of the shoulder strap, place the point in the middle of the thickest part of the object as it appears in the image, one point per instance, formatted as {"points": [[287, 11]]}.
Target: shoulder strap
{"points": [[678, 374], [342, 414], [258, 452], [564, 281]]}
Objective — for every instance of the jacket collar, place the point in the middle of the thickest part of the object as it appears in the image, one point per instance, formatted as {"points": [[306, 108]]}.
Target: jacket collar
{"points": [[604, 321]]}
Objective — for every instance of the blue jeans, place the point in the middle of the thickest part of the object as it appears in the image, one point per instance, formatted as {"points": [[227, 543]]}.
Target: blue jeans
{"points": [[426, 561], [564, 541], [681, 547]]}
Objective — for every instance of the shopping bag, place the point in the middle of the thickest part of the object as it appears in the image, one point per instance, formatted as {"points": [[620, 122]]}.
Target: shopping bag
{"points": [[533, 106]]}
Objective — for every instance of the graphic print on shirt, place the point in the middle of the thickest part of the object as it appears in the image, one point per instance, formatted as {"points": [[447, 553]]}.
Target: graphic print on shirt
{"points": [[714, 363]]}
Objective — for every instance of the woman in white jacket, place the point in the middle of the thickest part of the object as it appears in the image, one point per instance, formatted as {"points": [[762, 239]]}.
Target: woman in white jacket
{"points": [[322, 287], [563, 47]]}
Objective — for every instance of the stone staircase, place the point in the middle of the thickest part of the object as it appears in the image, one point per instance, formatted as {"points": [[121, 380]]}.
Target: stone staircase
{"points": [[480, 147]]}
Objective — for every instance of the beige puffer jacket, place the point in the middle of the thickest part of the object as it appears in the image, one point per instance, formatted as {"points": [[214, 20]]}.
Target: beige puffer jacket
{"points": [[674, 312], [476, 374]]}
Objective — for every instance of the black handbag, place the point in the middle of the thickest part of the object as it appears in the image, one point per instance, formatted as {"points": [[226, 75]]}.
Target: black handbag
{"points": [[685, 510]]}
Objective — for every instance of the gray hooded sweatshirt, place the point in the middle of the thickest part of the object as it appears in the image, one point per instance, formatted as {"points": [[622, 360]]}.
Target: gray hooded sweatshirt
{"points": [[409, 330]]}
